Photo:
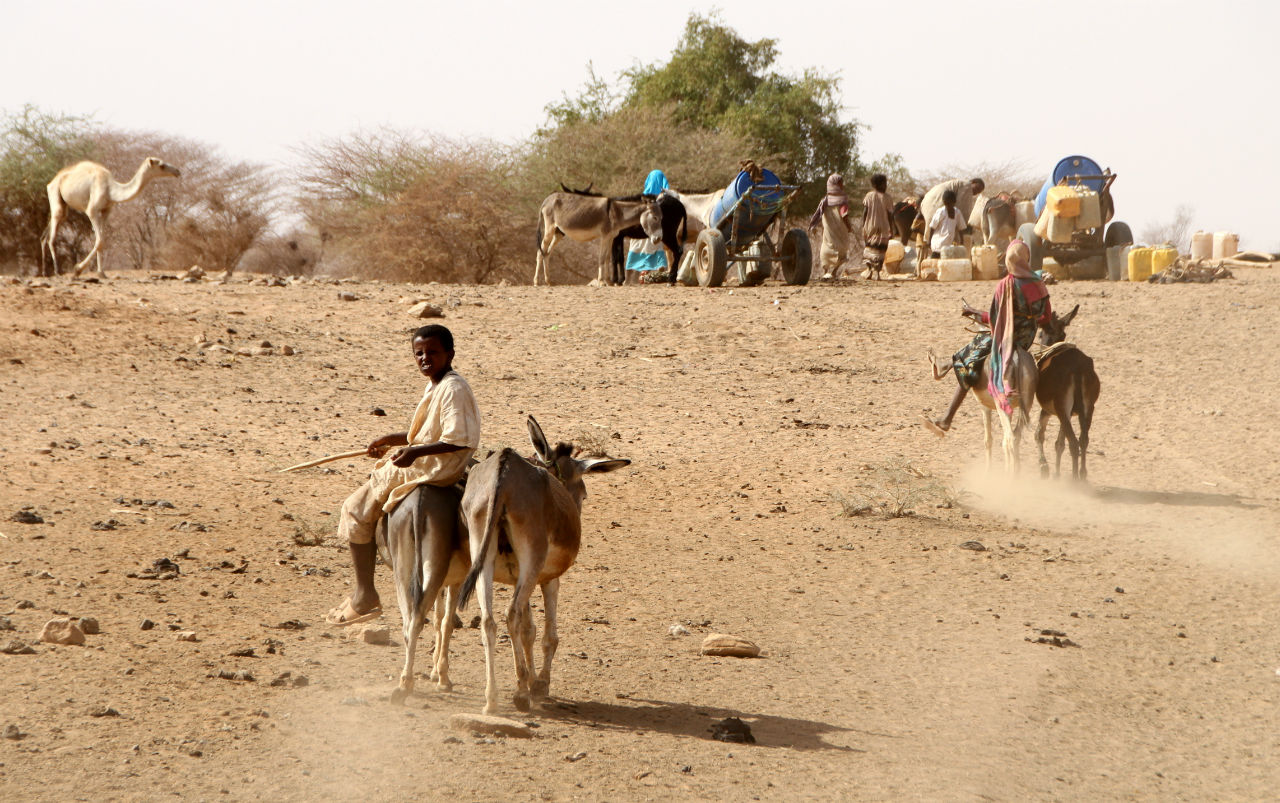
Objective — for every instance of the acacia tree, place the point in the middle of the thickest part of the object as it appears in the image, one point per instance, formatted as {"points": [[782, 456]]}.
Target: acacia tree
{"points": [[717, 80]]}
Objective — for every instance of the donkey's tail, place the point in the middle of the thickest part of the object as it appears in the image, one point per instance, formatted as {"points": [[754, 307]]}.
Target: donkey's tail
{"points": [[492, 516]]}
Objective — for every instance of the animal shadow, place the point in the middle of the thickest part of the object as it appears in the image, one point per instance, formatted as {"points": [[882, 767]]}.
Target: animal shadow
{"points": [[1133, 496], [684, 719]]}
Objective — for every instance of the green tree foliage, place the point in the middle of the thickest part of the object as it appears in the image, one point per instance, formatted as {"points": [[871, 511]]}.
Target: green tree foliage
{"points": [[717, 80], [34, 146]]}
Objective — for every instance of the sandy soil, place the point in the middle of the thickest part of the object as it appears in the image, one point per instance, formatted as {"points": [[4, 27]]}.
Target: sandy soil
{"points": [[898, 664]]}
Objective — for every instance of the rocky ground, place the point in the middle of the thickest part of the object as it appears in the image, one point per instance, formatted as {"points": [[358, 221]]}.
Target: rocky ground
{"points": [[1000, 640]]}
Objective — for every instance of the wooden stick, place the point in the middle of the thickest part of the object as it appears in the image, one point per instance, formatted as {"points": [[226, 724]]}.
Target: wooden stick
{"points": [[329, 459]]}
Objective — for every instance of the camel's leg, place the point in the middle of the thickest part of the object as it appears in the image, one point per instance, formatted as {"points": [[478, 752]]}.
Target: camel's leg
{"points": [[57, 211], [1041, 429], [98, 220], [550, 638]]}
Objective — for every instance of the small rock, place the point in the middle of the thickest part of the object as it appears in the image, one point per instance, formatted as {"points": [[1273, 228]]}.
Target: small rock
{"points": [[375, 634], [104, 712], [451, 740], [354, 701], [678, 630], [11, 732], [287, 351], [475, 622], [347, 296], [243, 652], [425, 310], [5, 624], [147, 624], [23, 604], [975, 546], [578, 756], [27, 517], [89, 626], [734, 646], [242, 675], [732, 729], [288, 679], [496, 726], [377, 411], [62, 631], [16, 647], [186, 635]]}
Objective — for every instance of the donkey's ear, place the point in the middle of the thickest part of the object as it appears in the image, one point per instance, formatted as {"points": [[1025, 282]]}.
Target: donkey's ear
{"points": [[601, 466], [539, 440], [1066, 319]]}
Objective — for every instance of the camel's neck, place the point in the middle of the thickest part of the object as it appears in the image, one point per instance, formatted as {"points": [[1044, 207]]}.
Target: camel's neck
{"points": [[126, 192]]}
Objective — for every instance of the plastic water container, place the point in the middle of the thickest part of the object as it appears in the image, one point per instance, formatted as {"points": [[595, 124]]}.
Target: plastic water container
{"points": [[986, 262], [1139, 264], [1162, 258], [955, 270], [1090, 216], [1063, 201], [1059, 229], [1225, 244], [1118, 262], [1202, 245], [1051, 267], [910, 260], [895, 252], [954, 252], [1026, 212], [929, 270]]}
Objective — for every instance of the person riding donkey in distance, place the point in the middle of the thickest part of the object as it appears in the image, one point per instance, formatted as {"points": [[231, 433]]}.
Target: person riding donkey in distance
{"points": [[435, 451], [1019, 305]]}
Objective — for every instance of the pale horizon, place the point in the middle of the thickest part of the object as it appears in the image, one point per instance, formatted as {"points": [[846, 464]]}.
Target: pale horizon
{"points": [[1170, 96]]}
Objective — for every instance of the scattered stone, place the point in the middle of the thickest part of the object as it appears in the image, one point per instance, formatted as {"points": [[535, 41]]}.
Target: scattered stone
{"points": [[242, 675], [27, 516], [186, 635], [451, 740], [425, 310], [578, 756], [16, 647], [347, 296], [89, 626], [677, 630], [975, 546], [104, 526], [377, 411], [243, 652], [290, 624], [288, 351], [732, 729], [160, 569], [495, 726], [24, 604], [105, 711], [61, 631], [734, 646], [11, 732], [354, 701], [147, 624], [289, 680], [5, 624], [475, 622], [1054, 638], [194, 274]]}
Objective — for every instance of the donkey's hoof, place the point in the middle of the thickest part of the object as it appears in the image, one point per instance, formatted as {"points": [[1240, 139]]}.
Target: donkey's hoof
{"points": [[398, 696], [540, 689], [521, 702], [1044, 472]]}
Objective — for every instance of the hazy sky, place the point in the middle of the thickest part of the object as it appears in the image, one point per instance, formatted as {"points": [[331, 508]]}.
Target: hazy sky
{"points": [[1178, 98]]}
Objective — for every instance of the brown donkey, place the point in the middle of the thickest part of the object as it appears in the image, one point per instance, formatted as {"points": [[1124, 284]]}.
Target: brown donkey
{"points": [[1068, 386]]}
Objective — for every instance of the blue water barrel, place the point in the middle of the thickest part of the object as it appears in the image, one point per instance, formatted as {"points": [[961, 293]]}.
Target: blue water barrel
{"points": [[740, 185], [1070, 166]]}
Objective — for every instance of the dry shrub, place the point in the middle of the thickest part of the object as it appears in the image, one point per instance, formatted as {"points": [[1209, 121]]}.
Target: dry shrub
{"points": [[294, 253], [395, 206], [894, 488], [1014, 176]]}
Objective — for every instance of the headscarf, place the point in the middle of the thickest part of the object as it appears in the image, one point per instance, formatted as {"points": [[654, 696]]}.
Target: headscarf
{"points": [[1017, 260], [655, 183], [835, 198]]}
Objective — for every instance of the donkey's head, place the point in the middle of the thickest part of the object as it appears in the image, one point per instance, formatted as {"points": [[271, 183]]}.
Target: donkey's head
{"points": [[651, 221], [562, 465], [1055, 331]]}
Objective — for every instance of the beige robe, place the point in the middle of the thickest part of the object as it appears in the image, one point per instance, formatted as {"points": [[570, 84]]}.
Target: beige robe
{"points": [[835, 239]]}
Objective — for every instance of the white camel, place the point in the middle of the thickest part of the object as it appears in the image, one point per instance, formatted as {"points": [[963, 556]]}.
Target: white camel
{"points": [[89, 188]]}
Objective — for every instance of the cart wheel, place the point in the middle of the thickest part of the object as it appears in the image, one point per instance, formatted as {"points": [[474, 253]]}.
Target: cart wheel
{"points": [[713, 258], [796, 255], [751, 274], [1118, 234], [1027, 233]]}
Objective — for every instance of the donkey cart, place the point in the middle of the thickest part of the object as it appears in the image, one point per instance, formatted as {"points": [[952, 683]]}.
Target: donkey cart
{"points": [[738, 233]]}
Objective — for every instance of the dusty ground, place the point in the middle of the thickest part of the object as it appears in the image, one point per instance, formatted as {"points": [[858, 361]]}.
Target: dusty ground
{"points": [[898, 666]]}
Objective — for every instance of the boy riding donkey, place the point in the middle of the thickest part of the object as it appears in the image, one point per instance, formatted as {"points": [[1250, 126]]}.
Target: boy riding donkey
{"points": [[443, 434]]}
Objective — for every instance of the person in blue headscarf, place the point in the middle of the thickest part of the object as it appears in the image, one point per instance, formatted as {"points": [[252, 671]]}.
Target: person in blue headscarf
{"points": [[644, 255]]}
